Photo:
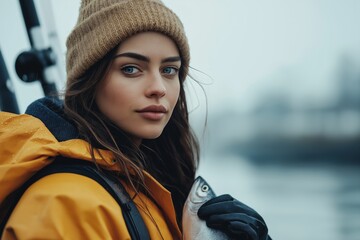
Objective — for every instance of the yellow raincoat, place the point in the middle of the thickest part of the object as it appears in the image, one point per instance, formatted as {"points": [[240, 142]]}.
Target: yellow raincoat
{"points": [[66, 205]]}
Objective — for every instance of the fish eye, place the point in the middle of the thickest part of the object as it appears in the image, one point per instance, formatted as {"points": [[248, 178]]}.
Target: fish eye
{"points": [[205, 188]]}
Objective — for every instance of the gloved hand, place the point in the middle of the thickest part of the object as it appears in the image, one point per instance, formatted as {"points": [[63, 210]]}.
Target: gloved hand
{"points": [[234, 218]]}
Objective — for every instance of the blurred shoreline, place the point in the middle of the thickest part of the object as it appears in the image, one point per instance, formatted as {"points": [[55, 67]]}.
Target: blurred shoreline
{"points": [[299, 200]]}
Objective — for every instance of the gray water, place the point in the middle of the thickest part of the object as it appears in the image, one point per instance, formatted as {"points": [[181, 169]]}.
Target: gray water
{"points": [[312, 200]]}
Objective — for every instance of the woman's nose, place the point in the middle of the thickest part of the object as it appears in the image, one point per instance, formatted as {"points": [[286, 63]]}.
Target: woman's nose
{"points": [[156, 86]]}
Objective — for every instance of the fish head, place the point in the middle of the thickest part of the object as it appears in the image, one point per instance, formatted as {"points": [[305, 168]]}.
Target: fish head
{"points": [[195, 228], [200, 192]]}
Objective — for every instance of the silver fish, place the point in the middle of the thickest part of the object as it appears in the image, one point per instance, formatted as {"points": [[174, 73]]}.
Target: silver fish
{"points": [[193, 227]]}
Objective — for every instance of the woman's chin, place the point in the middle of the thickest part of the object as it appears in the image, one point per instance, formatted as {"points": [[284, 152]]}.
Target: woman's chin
{"points": [[149, 135], [154, 135]]}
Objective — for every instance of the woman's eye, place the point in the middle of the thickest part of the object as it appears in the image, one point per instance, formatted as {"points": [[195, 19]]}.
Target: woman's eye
{"points": [[170, 70], [130, 70]]}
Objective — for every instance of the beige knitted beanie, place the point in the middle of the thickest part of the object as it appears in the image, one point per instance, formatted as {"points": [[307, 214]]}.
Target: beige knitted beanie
{"points": [[103, 24]]}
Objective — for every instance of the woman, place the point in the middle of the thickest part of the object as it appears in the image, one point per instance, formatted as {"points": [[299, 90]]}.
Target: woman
{"points": [[125, 110]]}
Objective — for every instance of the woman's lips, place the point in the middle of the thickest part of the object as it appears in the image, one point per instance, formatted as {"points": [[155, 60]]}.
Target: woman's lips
{"points": [[153, 112], [153, 116]]}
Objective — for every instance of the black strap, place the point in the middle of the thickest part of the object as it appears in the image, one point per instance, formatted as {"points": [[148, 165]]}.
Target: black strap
{"points": [[134, 222]]}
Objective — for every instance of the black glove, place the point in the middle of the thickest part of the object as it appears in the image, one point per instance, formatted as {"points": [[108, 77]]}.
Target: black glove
{"points": [[234, 218]]}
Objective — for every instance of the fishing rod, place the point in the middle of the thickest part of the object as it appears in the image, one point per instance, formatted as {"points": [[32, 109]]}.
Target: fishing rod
{"points": [[38, 63], [8, 102]]}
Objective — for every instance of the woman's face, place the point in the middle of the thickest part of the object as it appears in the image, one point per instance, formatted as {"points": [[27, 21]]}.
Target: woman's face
{"points": [[142, 87]]}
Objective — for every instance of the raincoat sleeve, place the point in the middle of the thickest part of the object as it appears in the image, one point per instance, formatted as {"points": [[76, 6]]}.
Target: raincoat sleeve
{"points": [[66, 206]]}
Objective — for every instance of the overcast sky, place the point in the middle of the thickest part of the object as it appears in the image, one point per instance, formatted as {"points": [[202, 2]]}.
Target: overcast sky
{"points": [[247, 47]]}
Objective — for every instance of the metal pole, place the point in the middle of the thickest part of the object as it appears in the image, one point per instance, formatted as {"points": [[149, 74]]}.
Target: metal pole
{"points": [[8, 102], [39, 62]]}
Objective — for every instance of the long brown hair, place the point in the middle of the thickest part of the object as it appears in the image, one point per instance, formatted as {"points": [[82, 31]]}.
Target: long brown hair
{"points": [[171, 158]]}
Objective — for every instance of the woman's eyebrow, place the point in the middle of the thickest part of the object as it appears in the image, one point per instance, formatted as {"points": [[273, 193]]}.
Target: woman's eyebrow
{"points": [[133, 55], [146, 59], [171, 59]]}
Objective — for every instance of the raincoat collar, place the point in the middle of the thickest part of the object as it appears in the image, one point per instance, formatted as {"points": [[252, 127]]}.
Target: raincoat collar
{"points": [[51, 112]]}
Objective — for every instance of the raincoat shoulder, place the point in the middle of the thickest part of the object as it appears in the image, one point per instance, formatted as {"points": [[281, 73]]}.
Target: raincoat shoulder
{"points": [[66, 205]]}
